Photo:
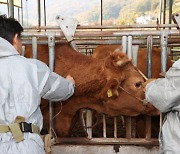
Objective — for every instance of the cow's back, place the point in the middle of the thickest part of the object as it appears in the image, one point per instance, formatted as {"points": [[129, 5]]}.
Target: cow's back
{"points": [[104, 50], [156, 61]]}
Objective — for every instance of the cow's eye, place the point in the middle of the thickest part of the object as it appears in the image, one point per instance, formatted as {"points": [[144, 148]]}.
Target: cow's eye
{"points": [[138, 84]]}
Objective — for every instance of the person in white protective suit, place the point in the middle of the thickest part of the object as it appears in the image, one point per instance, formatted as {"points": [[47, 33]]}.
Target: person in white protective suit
{"points": [[22, 84], [164, 94]]}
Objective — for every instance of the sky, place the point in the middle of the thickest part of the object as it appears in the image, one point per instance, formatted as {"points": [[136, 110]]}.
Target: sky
{"points": [[67, 8]]}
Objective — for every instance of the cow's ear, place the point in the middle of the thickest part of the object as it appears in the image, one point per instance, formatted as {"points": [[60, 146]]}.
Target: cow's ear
{"points": [[120, 59], [123, 62]]}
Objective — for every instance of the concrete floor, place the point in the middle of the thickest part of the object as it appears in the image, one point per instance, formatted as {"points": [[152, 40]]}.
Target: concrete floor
{"points": [[103, 149]]}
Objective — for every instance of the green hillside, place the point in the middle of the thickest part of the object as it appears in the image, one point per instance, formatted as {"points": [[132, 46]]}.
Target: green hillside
{"points": [[125, 11]]}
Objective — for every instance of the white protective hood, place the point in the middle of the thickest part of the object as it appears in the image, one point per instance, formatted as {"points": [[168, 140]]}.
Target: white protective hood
{"points": [[6, 49]]}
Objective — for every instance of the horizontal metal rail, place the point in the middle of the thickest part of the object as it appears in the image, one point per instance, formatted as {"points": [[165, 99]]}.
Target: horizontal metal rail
{"points": [[108, 141], [170, 32], [106, 27]]}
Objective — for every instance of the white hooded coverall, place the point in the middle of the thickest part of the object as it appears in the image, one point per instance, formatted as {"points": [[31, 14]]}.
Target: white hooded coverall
{"points": [[164, 94], [22, 84]]}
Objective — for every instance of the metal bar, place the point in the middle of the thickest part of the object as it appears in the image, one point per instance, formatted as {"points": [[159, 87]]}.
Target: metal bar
{"points": [[164, 12], [160, 14], [149, 56], [51, 45], [101, 12], [106, 33], [148, 127], [108, 27], [34, 47], [11, 8], [129, 49], [44, 13], [22, 22], [133, 121], [149, 75], [39, 12], [135, 49], [27, 14], [115, 127], [23, 50], [18, 14], [104, 126], [124, 44], [170, 11], [95, 42], [128, 127], [164, 53], [107, 141], [89, 123]]}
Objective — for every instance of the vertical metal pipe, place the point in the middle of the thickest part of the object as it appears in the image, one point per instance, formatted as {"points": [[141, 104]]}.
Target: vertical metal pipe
{"points": [[104, 126], [18, 15], [23, 50], [135, 50], [170, 11], [124, 44], [22, 19], [164, 53], [164, 12], [51, 44], [27, 14], [149, 75], [11, 8], [101, 12], [133, 130], [161, 11], [34, 47], [129, 50], [44, 12], [164, 41], [128, 127], [39, 12], [149, 56], [115, 127], [148, 127], [89, 123]]}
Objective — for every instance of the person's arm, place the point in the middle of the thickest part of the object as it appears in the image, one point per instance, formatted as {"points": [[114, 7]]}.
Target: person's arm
{"points": [[52, 86], [57, 88], [164, 93]]}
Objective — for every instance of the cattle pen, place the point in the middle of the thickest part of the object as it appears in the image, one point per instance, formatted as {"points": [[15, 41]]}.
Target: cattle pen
{"points": [[120, 134], [86, 38]]}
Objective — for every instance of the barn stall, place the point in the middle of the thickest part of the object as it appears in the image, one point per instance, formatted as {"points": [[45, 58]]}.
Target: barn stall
{"points": [[117, 134], [86, 39]]}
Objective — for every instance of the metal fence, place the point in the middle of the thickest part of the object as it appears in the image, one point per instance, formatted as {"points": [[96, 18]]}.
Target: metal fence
{"points": [[87, 38]]}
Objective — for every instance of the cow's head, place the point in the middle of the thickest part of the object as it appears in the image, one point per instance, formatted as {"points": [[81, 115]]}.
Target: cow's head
{"points": [[130, 94], [114, 64]]}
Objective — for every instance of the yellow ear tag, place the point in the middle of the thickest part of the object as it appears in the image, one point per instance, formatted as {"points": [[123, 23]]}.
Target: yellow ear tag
{"points": [[109, 93]]}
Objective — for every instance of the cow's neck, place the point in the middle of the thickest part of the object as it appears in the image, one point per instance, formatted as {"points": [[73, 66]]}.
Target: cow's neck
{"points": [[68, 112]]}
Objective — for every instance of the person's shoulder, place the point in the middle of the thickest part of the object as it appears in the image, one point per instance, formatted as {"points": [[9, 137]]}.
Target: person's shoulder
{"points": [[38, 63], [176, 64]]}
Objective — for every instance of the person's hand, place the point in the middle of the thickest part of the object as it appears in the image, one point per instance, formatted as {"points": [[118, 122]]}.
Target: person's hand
{"points": [[70, 78], [145, 83]]}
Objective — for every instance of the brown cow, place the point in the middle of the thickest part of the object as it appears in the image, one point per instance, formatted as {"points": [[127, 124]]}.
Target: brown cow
{"points": [[95, 80], [103, 51]]}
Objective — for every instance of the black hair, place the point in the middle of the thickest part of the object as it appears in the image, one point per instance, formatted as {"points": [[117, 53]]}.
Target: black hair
{"points": [[9, 27]]}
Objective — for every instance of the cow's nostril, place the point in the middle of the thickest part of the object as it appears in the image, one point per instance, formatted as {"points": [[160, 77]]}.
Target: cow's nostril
{"points": [[138, 84]]}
